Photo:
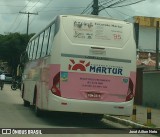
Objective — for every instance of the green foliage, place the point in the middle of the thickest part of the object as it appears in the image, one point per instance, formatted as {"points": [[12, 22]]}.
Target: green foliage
{"points": [[11, 47]]}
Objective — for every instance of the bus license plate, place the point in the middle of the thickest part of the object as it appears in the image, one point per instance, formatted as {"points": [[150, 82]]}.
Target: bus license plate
{"points": [[93, 95]]}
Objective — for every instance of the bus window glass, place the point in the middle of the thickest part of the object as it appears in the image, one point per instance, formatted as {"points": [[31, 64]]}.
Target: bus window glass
{"points": [[27, 48], [45, 43], [51, 38], [40, 45], [35, 48], [30, 50]]}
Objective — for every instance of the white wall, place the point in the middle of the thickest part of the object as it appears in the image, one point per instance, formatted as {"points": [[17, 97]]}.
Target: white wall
{"points": [[147, 38]]}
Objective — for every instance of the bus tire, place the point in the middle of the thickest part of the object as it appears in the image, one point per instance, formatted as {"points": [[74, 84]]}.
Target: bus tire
{"points": [[26, 103], [38, 111]]}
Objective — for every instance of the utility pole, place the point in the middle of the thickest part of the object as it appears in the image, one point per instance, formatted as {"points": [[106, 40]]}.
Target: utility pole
{"points": [[28, 18], [157, 45], [95, 7], [136, 27]]}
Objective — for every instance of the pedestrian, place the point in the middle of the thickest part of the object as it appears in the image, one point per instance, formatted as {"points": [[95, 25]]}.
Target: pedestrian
{"points": [[2, 78]]}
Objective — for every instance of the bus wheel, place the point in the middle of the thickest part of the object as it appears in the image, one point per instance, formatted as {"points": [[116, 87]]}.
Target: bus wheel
{"points": [[38, 111], [26, 103]]}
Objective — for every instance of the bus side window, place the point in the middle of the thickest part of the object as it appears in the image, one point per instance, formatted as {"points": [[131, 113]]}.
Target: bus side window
{"points": [[27, 50], [52, 34], [37, 45], [34, 52], [48, 40], [40, 45], [33, 49], [30, 50], [45, 43]]}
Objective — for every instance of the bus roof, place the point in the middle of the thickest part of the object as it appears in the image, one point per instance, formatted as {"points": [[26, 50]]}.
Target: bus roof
{"points": [[95, 16]]}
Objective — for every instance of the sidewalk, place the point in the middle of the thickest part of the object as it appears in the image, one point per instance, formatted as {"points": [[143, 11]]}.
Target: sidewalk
{"points": [[141, 118]]}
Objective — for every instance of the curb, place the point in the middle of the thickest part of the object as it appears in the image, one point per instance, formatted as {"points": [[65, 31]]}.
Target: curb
{"points": [[125, 122], [131, 124]]}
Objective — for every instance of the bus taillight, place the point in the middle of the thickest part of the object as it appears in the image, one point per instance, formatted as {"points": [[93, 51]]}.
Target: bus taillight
{"points": [[130, 94], [56, 85]]}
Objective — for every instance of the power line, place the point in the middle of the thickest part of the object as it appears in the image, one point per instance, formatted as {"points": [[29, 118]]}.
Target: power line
{"points": [[35, 4], [120, 12], [41, 9], [118, 2], [87, 8], [23, 16], [28, 13], [18, 24], [47, 4], [62, 9], [17, 17], [105, 10], [107, 2], [89, 11], [97, 8], [9, 13], [13, 22], [13, 6], [128, 4], [26, 5]]}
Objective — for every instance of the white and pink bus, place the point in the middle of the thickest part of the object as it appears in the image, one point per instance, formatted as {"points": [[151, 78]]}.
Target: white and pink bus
{"points": [[84, 64]]}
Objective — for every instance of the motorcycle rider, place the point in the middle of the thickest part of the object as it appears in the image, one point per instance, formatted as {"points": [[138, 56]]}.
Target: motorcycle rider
{"points": [[16, 83], [2, 78]]}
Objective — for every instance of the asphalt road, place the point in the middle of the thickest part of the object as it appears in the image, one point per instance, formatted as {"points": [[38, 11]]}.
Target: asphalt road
{"points": [[14, 115]]}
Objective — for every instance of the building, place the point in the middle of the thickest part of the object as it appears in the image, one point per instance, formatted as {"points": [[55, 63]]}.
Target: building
{"points": [[146, 52], [148, 76]]}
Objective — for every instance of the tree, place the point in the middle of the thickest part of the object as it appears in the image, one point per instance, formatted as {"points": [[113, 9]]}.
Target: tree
{"points": [[12, 46]]}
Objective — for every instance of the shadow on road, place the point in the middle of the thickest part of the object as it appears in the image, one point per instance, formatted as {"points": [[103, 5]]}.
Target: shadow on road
{"points": [[68, 119]]}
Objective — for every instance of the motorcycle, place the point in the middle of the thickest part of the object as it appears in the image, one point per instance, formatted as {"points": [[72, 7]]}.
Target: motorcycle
{"points": [[16, 85]]}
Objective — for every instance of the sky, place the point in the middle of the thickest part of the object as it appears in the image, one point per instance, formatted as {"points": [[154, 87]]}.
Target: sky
{"points": [[13, 21]]}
